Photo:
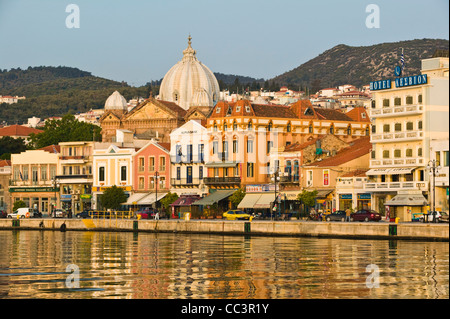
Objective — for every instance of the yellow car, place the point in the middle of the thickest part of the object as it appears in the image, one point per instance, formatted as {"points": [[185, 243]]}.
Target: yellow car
{"points": [[236, 215]]}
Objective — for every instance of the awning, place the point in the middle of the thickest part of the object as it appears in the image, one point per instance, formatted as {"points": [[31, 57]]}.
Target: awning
{"points": [[214, 197], [291, 195], [134, 198], [265, 200], [249, 200], [221, 164], [185, 200], [390, 171], [151, 198], [407, 200], [323, 193]]}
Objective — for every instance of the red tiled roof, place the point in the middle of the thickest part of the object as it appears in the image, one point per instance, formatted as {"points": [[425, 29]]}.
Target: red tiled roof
{"points": [[51, 148], [18, 130], [356, 173], [355, 114], [4, 163], [356, 149]]}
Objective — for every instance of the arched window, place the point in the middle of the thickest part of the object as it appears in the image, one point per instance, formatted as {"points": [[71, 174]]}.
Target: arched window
{"points": [[349, 130], [225, 127], [288, 127], [269, 127], [332, 129], [235, 127], [250, 126], [310, 128], [215, 127]]}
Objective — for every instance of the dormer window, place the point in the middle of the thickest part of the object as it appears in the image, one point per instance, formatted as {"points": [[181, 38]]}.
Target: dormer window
{"points": [[238, 108], [247, 109], [218, 110]]}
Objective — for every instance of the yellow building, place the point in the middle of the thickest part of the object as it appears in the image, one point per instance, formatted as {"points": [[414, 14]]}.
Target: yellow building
{"points": [[407, 114], [33, 178]]}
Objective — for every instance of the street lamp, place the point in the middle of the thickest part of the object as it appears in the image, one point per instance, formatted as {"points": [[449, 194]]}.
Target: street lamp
{"points": [[55, 184], [433, 167], [156, 191], [275, 179]]}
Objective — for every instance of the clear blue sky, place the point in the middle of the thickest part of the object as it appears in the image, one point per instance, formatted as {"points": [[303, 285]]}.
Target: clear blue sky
{"points": [[138, 41]]}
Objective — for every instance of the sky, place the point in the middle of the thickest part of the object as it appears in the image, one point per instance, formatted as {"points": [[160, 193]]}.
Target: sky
{"points": [[140, 40]]}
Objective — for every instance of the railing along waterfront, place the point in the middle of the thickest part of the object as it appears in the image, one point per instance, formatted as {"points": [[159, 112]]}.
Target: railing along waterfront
{"points": [[103, 214]]}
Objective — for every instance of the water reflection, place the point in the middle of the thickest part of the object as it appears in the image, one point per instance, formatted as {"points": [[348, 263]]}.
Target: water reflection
{"points": [[139, 265]]}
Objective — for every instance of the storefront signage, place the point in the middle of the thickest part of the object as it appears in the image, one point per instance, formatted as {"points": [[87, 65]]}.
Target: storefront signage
{"points": [[345, 196], [399, 82], [260, 188], [102, 189], [326, 177], [32, 189], [364, 196], [85, 196]]}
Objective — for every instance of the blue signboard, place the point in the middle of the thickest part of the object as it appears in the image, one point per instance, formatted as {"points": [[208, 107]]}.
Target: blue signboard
{"points": [[380, 85], [411, 80]]}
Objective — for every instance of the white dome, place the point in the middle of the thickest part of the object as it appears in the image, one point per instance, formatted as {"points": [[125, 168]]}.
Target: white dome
{"points": [[116, 102], [189, 82]]}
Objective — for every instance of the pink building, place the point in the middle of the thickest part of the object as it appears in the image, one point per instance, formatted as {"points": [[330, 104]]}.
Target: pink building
{"points": [[151, 174]]}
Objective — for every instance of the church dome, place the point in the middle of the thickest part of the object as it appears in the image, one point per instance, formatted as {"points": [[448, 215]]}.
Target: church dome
{"points": [[116, 102], [189, 82]]}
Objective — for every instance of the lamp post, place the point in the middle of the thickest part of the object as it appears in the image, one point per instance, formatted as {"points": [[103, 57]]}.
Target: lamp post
{"points": [[433, 167], [55, 185], [275, 178], [156, 191]]}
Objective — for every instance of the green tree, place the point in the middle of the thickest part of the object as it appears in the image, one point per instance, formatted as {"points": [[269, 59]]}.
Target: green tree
{"points": [[113, 197], [237, 197], [18, 204], [10, 145], [167, 200], [308, 198], [67, 129]]}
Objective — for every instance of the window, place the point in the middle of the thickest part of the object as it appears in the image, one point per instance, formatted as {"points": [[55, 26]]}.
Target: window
{"points": [[398, 127], [151, 163], [409, 126], [200, 172], [386, 103], [101, 174], [438, 158], [218, 110], [25, 172], [250, 126], [409, 100], [374, 128], [141, 164], [446, 159], [43, 172], [310, 128], [236, 170], [247, 109], [386, 154], [52, 171], [141, 183], [367, 131], [269, 127], [235, 146], [419, 125], [225, 172], [288, 127], [373, 154], [419, 151], [409, 152], [238, 108], [397, 101], [215, 127], [250, 169], [215, 147], [419, 98], [225, 127], [123, 173], [397, 153], [235, 127], [386, 128], [349, 130], [178, 173], [332, 129], [189, 153], [269, 146], [374, 105], [162, 163], [249, 146], [162, 182], [216, 172], [34, 173]]}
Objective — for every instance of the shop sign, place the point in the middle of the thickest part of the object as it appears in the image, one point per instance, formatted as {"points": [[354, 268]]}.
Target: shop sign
{"points": [[32, 189], [260, 188], [364, 196], [345, 196], [326, 177], [103, 188], [85, 196]]}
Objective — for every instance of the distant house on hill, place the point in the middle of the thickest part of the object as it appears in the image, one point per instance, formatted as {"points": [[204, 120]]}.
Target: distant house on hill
{"points": [[18, 131]]}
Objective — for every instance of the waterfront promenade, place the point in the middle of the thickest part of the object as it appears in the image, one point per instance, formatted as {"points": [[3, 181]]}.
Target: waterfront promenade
{"points": [[375, 230]]}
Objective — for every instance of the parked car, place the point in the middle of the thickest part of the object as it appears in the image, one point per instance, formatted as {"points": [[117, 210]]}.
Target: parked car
{"points": [[58, 213], [235, 214], [145, 213], [21, 213], [3, 214], [84, 214], [441, 217], [365, 215], [338, 215]]}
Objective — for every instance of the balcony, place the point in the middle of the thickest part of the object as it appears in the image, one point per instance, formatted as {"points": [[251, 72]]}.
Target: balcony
{"points": [[74, 179], [396, 111], [395, 186], [404, 136], [397, 162], [73, 159], [289, 179], [222, 180], [185, 181]]}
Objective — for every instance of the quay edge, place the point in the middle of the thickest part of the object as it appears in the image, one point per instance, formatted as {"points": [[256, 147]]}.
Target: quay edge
{"points": [[380, 230]]}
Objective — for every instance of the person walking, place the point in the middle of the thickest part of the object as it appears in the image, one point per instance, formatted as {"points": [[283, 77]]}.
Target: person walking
{"points": [[347, 214]]}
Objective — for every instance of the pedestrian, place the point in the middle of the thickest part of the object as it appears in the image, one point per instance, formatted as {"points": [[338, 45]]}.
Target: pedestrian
{"points": [[157, 216], [347, 214]]}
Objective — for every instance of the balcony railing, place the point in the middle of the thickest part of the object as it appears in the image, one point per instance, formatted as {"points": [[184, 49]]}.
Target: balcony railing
{"points": [[185, 181], [222, 180], [396, 136], [401, 162], [396, 111], [395, 186], [289, 179]]}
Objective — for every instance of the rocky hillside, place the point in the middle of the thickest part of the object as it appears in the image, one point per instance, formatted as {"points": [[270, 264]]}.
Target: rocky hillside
{"points": [[359, 65]]}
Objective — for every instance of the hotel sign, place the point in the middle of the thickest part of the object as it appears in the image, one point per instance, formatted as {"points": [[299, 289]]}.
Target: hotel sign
{"points": [[399, 82]]}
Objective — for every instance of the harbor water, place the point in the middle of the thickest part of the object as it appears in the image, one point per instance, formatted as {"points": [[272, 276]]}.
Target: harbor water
{"points": [[103, 265]]}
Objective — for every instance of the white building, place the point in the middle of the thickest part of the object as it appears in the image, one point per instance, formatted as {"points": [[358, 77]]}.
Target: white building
{"points": [[188, 150], [407, 114]]}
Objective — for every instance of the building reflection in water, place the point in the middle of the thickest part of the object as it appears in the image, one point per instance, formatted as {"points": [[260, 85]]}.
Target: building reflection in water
{"points": [[156, 266]]}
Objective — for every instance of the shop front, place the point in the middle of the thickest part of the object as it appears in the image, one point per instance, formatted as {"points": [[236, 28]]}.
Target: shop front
{"points": [[39, 198], [364, 201], [345, 201]]}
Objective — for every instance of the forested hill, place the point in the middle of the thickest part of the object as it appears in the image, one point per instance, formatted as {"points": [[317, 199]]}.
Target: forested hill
{"points": [[345, 64], [56, 91]]}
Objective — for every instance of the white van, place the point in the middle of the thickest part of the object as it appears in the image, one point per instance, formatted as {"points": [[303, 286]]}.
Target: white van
{"points": [[21, 213]]}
